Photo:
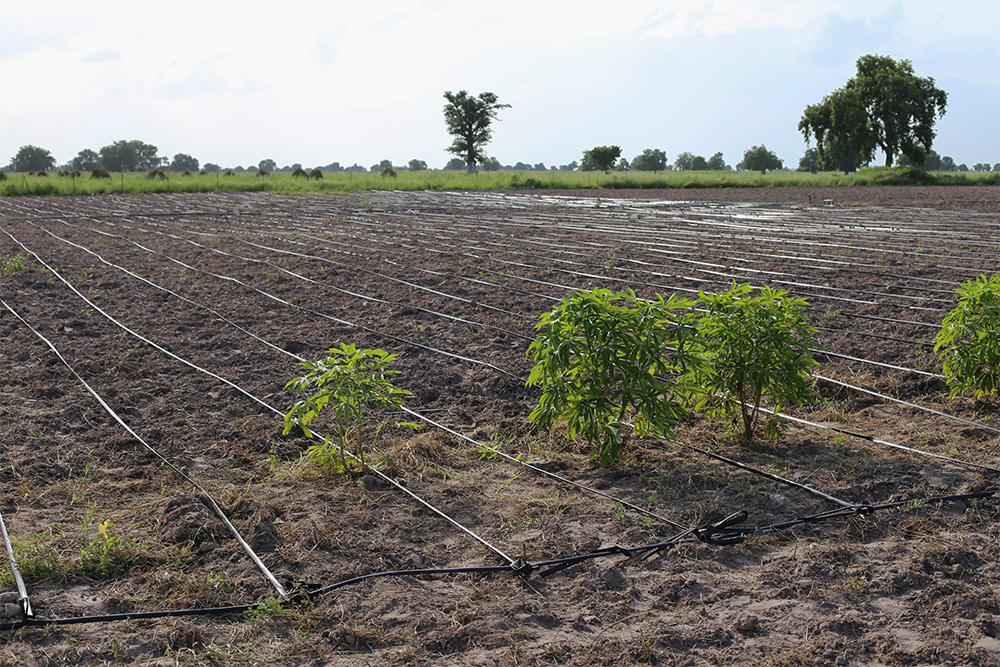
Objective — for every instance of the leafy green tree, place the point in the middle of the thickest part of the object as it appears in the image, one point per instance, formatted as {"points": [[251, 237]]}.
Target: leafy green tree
{"points": [[809, 161], [841, 128], [85, 160], [651, 159], [699, 163], [948, 164], [600, 157], [572, 166], [211, 167], [717, 163], [684, 161], [267, 165], [468, 119], [980, 166], [885, 105], [599, 357], [540, 167], [753, 346], [131, 155], [488, 164], [455, 164], [183, 162], [623, 165], [968, 343], [32, 158], [417, 165], [760, 159]]}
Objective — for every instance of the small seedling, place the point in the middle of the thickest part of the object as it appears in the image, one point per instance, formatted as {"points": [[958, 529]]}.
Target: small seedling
{"points": [[350, 382], [12, 264]]}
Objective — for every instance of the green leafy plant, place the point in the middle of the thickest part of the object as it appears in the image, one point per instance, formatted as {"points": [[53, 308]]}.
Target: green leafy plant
{"points": [[12, 264], [602, 357], [969, 341], [754, 346], [350, 382]]}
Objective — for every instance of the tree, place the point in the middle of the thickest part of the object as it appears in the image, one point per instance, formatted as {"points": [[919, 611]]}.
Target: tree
{"points": [[468, 119], [651, 159], [717, 163], [85, 160], [417, 165], [884, 106], [131, 155], [683, 161], [183, 162], [540, 167], [600, 157], [699, 163], [809, 161], [489, 164], [32, 158], [623, 165], [267, 165], [455, 164], [211, 167], [759, 158], [843, 135], [572, 166]]}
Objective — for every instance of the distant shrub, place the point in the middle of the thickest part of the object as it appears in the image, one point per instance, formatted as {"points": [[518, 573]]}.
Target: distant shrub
{"points": [[100, 173], [3, 176], [41, 174], [315, 174], [263, 172], [299, 172], [229, 172], [186, 173], [157, 174]]}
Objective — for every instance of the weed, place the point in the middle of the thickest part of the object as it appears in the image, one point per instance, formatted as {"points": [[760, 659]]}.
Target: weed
{"points": [[12, 264]]}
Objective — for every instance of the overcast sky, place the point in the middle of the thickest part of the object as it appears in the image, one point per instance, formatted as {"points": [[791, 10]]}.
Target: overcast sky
{"points": [[234, 82]]}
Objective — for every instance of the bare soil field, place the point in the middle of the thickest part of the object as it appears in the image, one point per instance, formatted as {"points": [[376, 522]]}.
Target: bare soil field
{"points": [[145, 344]]}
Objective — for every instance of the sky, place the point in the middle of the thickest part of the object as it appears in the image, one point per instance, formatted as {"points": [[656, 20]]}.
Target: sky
{"points": [[236, 82]]}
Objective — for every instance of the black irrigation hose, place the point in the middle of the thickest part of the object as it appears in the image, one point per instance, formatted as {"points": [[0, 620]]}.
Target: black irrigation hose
{"points": [[719, 533]]}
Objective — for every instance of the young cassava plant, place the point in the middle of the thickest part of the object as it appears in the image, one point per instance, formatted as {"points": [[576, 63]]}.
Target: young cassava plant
{"points": [[755, 346], [602, 357], [351, 383], [969, 341]]}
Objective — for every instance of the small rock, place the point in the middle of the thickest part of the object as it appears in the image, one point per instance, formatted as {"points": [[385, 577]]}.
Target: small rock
{"points": [[11, 610], [613, 578], [370, 483], [747, 623], [206, 547]]}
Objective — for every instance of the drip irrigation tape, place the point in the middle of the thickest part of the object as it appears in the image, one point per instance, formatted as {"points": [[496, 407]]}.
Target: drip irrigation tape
{"points": [[720, 533], [559, 478], [211, 501], [906, 403], [879, 441], [22, 590]]}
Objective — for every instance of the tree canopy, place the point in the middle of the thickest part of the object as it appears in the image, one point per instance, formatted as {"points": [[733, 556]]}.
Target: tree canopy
{"points": [[651, 159], [760, 159], [884, 106], [131, 155], [86, 160], [32, 158], [600, 157], [184, 162], [468, 119]]}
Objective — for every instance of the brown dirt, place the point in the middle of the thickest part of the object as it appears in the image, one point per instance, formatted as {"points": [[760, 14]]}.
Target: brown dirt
{"points": [[916, 585]]}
